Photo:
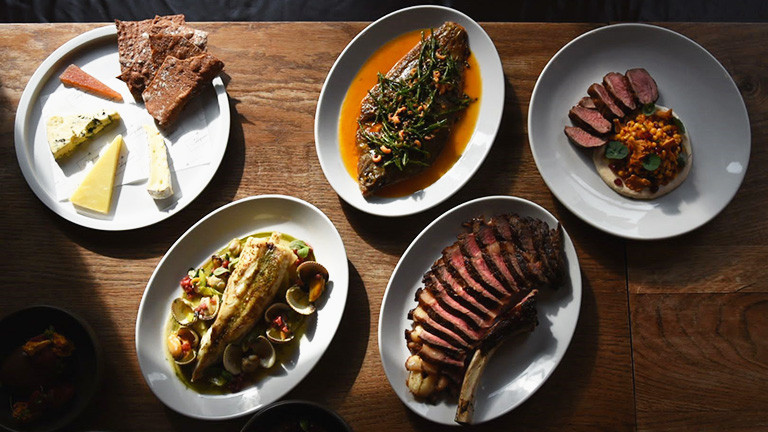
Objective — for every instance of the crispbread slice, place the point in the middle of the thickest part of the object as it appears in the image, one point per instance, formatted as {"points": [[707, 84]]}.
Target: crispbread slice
{"points": [[137, 64], [176, 82], [173, 27], [164, 45], [136, 68]]}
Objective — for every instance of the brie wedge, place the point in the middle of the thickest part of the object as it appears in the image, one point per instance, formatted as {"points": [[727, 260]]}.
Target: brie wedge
{"points": [[66, 133], [95, 192], [159, 185]]}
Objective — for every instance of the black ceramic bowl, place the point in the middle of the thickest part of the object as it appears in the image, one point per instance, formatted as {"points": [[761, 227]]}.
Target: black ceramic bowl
{"points": [[287, 415], [17, 328]]}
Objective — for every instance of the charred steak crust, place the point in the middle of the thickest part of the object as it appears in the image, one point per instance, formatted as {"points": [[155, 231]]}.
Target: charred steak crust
{"points": [[482, 289]]}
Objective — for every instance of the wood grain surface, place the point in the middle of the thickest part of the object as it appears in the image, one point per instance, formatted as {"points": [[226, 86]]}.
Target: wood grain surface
{"points": [[672, 334]]}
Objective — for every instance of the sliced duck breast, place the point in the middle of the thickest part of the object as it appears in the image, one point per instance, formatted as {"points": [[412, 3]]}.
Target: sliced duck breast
{"points": [[583, 138], [643, 85], [590, 119], [618, 86], [604, 101]]}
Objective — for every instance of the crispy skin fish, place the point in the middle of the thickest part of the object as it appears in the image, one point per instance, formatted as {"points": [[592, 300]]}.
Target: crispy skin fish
{"points": [[264, 267], [406, 119]]}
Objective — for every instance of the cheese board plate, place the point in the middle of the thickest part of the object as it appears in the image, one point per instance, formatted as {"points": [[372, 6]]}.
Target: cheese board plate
{"points": [[196, 144]]}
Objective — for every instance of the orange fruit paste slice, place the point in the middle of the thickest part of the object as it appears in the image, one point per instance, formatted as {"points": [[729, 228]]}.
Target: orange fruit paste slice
{"points": [[76, 77]]}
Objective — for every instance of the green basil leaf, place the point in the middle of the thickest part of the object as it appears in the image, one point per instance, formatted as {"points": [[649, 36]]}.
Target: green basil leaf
{"points": [[301, 248], [649, 109], [297, 244], [679, 124], [651, 162], [616, 150]]}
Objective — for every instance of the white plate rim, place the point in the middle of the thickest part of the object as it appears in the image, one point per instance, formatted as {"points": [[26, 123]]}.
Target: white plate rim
{"points": [[26, 105], [340, 293], [405, 206], [575, 210], [477, 205]]}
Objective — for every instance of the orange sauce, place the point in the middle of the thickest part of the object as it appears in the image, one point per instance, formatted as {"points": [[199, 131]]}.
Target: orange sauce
{"points": [[382, 61]]}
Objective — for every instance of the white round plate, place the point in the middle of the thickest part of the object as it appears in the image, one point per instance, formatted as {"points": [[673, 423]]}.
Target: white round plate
{"points": [[95, 52], [519, 366], [238, 219], [691, 82], [345, 69]]}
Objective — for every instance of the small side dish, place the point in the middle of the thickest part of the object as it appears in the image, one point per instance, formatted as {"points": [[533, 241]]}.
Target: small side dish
{"points": [[240, 312], [640, 150], [39, 375], [296, 416]]}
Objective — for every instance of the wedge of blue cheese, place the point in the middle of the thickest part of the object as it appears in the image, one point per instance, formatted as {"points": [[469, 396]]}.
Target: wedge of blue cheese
{"points": [[159, 184], [65, 133]]}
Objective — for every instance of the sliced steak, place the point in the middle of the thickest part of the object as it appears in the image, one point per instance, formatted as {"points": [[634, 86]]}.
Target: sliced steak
{"points": [[445, 318], [643, 85], [583, 138], [482, 289], [457, 285], [464, 268], [587, 102], [618, 86], [428, 297], [488, 273], [420, 336], [590, 119], [604, 101], [449, 299]]}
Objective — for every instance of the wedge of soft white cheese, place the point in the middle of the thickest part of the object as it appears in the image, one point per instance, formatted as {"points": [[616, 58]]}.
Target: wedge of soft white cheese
{"points": [[67, 132], [159, 185]]}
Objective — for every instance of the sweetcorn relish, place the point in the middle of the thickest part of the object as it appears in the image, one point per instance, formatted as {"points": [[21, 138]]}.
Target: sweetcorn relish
{"points": [[647, 150]]}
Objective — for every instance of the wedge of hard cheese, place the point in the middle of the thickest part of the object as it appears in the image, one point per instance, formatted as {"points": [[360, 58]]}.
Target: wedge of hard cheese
{"points": [[66, 133], [159, 185], [95, 192]]}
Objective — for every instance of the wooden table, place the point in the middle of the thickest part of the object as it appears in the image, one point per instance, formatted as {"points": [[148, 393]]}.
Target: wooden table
{"points": [[672, 335]]}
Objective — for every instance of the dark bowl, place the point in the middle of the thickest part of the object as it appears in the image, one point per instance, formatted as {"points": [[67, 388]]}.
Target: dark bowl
{"points": [[269, 418], [17, 328]]}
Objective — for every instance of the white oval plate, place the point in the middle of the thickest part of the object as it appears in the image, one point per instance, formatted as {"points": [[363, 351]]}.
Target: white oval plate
{"points": [[238, 219], [519, 366], [343, 72], [95, 52], [691, 82]]}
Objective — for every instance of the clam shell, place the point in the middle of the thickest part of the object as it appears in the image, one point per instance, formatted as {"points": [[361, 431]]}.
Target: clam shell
{"points": [[183, 312], [233, 359], [298, 300], [263, 348]]}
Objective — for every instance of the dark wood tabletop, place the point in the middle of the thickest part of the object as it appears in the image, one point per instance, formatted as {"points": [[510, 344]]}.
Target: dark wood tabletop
{"points": [[672, 335]]}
